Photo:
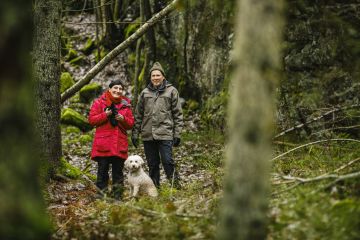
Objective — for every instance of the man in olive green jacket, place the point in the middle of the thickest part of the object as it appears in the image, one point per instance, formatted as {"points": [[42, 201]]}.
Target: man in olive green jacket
{"points": [[159, 119]]}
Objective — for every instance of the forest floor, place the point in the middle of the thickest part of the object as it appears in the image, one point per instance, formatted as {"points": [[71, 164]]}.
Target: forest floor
{"points": [[308, 199], [175, 214]]}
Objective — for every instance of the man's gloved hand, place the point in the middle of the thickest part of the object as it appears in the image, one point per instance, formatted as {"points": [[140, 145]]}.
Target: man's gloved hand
{"points": [[134, 141], [176, 142]]}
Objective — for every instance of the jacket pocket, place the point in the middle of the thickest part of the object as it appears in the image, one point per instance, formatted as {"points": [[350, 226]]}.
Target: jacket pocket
{"points": [[123, 144], [103, 142]]}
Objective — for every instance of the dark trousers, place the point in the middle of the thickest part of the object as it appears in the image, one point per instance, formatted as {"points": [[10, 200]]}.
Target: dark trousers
{"points": [[155, 151], [102, 179]]}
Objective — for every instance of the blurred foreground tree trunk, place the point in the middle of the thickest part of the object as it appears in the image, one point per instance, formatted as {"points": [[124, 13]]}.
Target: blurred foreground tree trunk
{"points": [[46, 60], [257, 62], [22, 212]]}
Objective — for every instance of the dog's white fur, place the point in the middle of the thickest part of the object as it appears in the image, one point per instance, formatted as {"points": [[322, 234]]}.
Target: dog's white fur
{"points": [[138, 180]]}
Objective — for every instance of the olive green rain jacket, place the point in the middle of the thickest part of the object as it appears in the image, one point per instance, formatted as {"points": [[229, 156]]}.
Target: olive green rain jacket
{"points": [[158, 114]]}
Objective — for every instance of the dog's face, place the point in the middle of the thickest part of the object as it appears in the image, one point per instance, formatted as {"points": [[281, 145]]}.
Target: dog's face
{"points": [[134, 162]]}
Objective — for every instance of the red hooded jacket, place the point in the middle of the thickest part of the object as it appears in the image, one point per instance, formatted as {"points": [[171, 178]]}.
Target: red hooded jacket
{"points": [[110, 140]]}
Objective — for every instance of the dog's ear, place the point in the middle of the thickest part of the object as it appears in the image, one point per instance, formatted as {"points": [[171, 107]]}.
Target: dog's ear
{"points": [[126, 164]]}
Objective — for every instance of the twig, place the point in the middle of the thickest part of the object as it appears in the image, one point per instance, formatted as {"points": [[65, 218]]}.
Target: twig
{"points": [[316, 142], [315, 119], [286, 189], [347, 165], [306, 180], [318, 178], [63, 225], [162, 214], [340, 178]]}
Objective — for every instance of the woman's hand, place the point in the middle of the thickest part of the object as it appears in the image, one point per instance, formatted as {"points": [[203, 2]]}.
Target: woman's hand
{"points": [[119, 117], [108, 111]]}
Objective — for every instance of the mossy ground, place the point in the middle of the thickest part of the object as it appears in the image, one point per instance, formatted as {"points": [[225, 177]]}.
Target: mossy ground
{"points": [[314, 210]]}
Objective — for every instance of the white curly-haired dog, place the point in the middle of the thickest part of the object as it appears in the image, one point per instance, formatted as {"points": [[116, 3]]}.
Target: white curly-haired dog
{"points": [[138, 180]]}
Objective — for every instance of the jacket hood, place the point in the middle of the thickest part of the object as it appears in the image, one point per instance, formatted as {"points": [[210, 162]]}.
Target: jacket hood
{"points": [[157, 66]]}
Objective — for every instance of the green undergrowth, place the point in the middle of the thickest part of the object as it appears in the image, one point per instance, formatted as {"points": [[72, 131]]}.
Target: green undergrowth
{"points": [[316, 209], [188, 213], [173, 215], [326, 208]]}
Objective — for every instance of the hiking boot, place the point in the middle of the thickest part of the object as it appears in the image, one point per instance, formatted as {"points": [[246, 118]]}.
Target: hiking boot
{"points": [[118, 192], [177, 185]]}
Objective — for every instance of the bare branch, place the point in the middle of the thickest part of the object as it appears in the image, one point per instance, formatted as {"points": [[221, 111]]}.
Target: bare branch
{"points": [[299, 126], [313, 143], [340, 178], [318, 178]]}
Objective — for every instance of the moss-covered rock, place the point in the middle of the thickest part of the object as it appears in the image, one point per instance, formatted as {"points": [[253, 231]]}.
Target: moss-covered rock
{"points": [[72, 54], [72, 129], [68, 170], [66, 81], [130, 29], [71, 117], [86, 138], [89, 92], [77, 61], [100, 56], [88, 47]]}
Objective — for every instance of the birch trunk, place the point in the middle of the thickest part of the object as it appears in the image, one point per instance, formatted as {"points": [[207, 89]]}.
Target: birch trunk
{"points": [[257, 64]]}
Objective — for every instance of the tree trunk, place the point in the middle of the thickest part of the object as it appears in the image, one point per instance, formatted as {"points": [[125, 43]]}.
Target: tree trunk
{"points": [[110, 29], [150, 41], [46, 59], [137, 60], [117, 5], [22, 211], [137, 72], [257, 64]]}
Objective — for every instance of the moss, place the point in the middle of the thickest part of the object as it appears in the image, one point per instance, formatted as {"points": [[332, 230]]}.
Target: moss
{"points": [[103, 53], [89, 46], [71, 117], [75, 98], [66, 81], [71, 55], [85, 139], [72, 129], [68, 170], [130, 29], [77, 61], [192, 104], [89, 92]]}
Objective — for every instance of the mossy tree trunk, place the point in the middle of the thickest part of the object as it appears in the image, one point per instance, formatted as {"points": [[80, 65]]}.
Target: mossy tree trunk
{"points": [[257, 62], [111, 33], [22, 212], [149, 39], [138, 60], [46, 60]]}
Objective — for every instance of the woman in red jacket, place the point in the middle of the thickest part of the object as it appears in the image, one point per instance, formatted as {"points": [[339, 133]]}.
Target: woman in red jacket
{"points": [[111, 115]]}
